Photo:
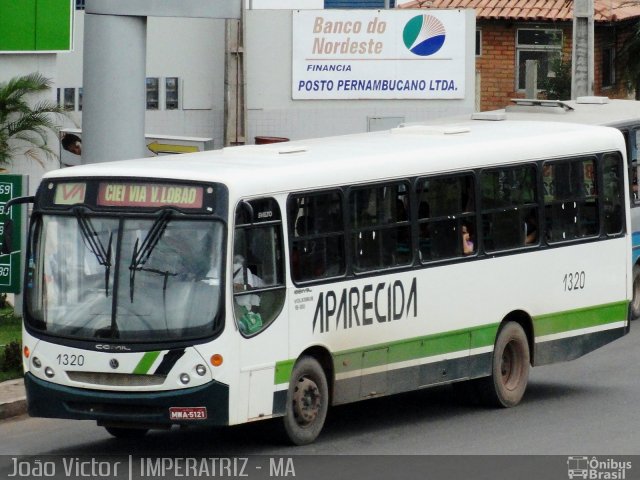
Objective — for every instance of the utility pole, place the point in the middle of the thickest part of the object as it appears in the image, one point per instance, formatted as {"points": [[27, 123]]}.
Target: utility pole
{"points": [[582, 69]]}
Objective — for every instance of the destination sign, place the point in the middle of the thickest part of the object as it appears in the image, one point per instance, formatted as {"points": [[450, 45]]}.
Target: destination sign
{"points": [[70, 193], [115, 194]]}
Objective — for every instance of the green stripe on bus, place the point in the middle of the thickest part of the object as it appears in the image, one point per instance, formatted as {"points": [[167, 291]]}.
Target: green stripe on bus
{"points": [[402, 351], [414, 348], [459, 340], [283, 371], [580, 318], [145, 363]]}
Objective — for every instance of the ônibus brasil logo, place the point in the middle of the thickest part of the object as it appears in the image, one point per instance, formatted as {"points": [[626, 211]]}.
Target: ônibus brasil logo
{"points": [[424, 35]]}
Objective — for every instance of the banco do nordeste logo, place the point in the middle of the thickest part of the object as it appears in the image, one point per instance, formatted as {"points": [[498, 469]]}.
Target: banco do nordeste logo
{"points": [[424, 35]]}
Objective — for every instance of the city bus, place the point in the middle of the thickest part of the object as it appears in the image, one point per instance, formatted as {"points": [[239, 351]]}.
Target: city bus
{"points": [[255, 282], [621, 114]]}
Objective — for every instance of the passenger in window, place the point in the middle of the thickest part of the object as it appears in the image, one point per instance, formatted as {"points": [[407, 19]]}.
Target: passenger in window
{"points": [[531, 228], [243, 277], [72, 143], [249, 321], [467, 242]]}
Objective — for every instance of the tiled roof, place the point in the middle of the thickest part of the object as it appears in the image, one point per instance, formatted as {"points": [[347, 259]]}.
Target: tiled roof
{"points": [[605, 10]]}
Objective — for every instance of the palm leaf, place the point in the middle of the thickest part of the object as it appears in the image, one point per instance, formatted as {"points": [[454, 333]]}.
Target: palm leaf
{"points": [[26, 123]]}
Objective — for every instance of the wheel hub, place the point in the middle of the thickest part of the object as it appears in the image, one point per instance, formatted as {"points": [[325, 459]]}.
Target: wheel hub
{"points": [[306, 401], [509, 367]]}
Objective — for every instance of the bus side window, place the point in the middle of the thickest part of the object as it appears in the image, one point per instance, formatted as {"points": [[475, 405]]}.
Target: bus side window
{"points": [[446, 217], [633, 162], [316, 235], [612, 195], [631, 139], [509, 207], [381, 233], [257, 268], [571, 212]]}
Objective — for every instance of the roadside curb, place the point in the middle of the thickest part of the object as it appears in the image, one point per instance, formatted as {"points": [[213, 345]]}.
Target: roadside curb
{"points": [[13, 400]]}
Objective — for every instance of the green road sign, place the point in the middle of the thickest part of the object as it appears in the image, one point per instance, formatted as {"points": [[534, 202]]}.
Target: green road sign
{"points": [[11, 186]]}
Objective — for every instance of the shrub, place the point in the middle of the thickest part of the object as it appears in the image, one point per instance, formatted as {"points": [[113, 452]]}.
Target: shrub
{"points": [[11, 357]]}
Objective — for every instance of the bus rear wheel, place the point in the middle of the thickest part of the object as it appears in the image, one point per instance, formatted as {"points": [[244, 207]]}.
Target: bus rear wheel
{"points": [[510, 368], [635, 302], [307, 401]]}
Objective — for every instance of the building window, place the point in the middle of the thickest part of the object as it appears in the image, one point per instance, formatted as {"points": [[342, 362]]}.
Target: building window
{"points": [[153, 93], [70, 99], [171, 93], [478, 43], [80, 99], [608, 67], [536, 44]]}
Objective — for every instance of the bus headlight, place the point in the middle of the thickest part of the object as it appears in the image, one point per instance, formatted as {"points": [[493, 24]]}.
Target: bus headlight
{"points": [[49, 372], [184, 378], [36, 362], [201, 370]]}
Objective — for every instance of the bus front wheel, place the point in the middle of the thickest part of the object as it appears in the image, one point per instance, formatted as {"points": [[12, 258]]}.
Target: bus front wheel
{"points": [[510, 368], [307, 401]]}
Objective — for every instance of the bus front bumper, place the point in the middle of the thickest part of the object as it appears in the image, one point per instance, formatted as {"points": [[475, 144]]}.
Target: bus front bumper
{"points": [[204, 405]]}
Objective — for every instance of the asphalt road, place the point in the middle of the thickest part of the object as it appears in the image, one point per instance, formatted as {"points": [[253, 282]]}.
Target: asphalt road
{"points": [[586, 407]]}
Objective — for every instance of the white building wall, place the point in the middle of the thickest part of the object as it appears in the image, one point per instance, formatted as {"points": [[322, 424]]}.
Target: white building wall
{"points": [[272, 112], [191, 49]]}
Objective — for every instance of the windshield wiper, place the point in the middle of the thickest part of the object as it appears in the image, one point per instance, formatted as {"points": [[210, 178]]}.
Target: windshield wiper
{"points": [[140, 255], [93, 242]]}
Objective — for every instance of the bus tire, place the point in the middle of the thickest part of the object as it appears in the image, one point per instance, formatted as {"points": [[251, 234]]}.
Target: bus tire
{"points": [[635, 301], [509, 370], [307, 401], [126, 433]]}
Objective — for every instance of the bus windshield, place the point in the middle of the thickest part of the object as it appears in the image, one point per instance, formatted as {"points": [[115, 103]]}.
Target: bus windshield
{"points": [[128, 279]]}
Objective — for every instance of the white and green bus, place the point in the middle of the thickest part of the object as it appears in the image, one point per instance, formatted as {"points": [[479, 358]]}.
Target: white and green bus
{"points": [[254, 282]]}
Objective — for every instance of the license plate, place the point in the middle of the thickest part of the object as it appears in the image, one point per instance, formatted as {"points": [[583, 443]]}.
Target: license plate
{"points": [[187, 413]]}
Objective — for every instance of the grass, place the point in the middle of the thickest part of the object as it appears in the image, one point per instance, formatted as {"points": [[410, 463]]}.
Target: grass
{"points": [[10, 375], [10, 331], [10, 326]]}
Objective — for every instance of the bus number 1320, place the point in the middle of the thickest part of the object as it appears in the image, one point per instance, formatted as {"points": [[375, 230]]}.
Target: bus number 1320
{"points": [[574, 281]]}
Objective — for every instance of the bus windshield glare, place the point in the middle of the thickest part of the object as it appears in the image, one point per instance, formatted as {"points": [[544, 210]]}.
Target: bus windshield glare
{"points": [[127, 279]]}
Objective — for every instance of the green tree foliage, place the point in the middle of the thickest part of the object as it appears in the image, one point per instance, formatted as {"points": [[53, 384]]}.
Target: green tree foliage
{"points": [[25, 125], [558, 85], [630, 52]]}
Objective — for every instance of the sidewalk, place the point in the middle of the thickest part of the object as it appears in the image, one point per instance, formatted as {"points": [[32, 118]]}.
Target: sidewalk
{"points": [[13, 399]]}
